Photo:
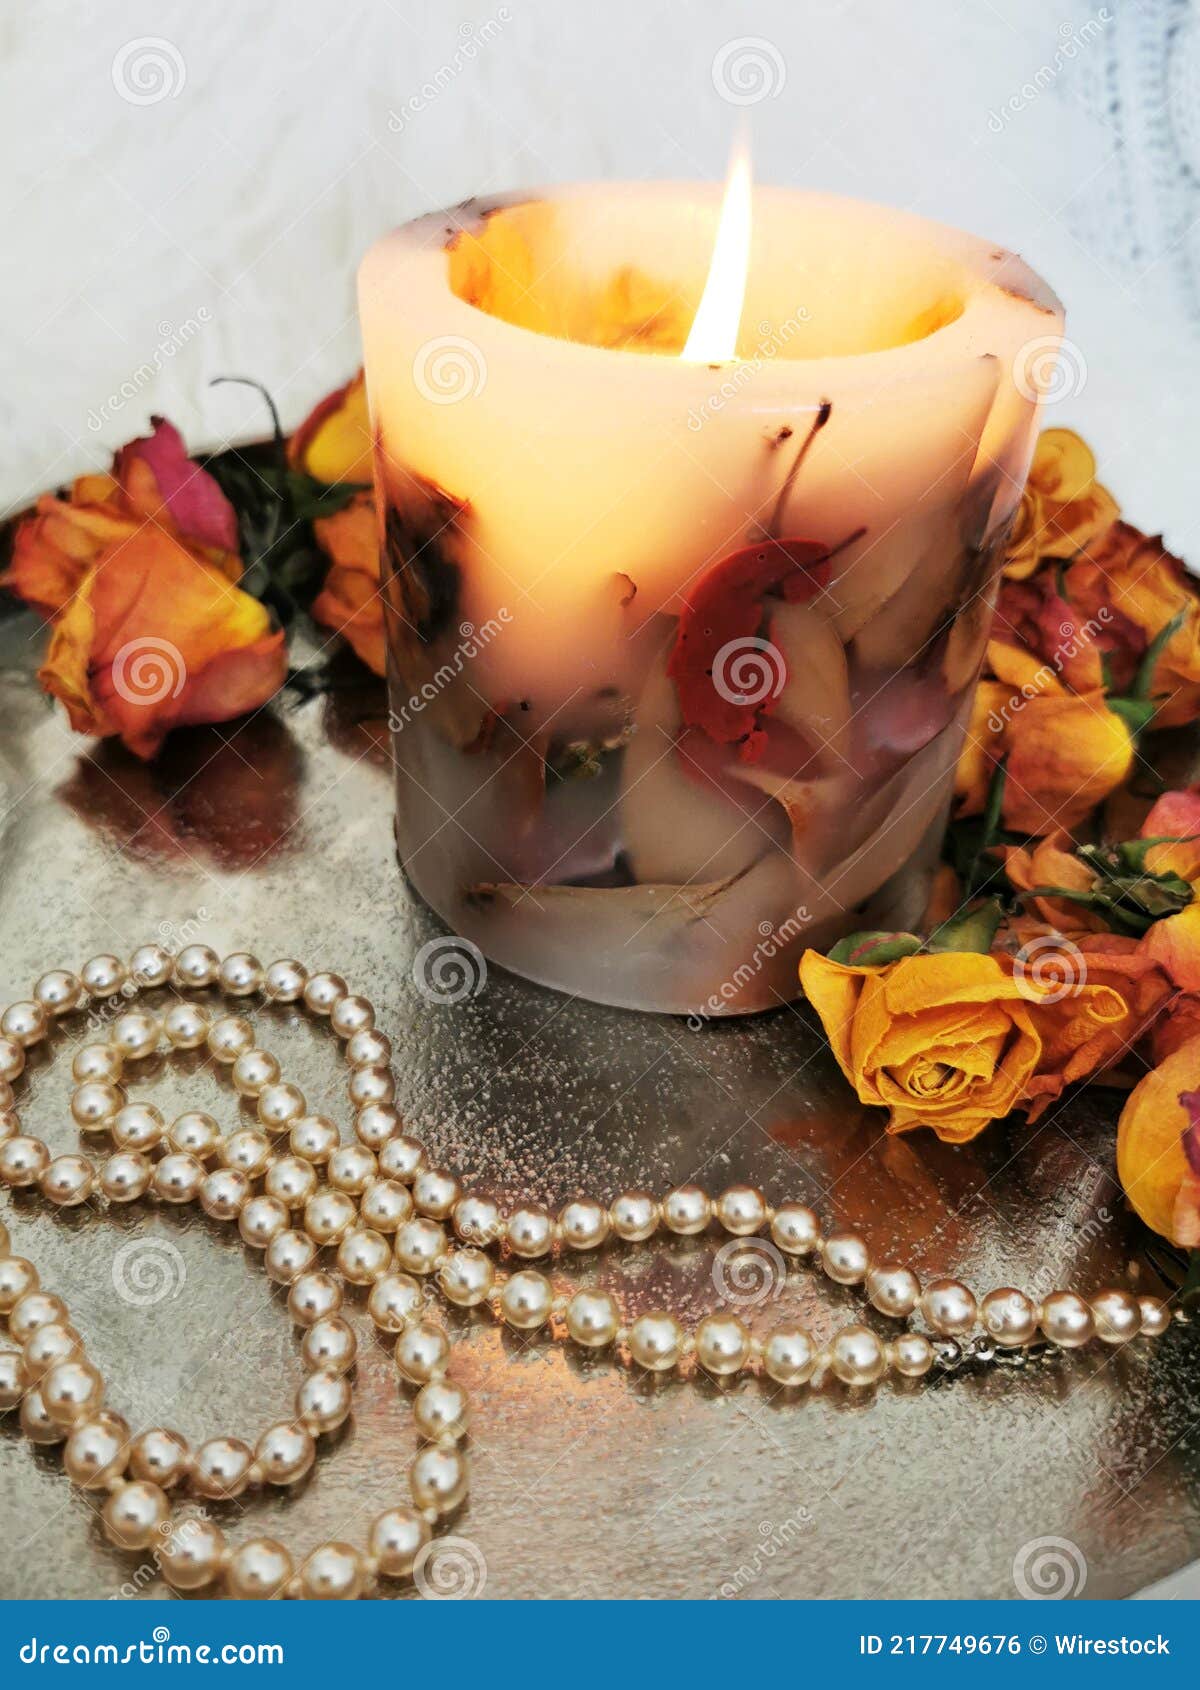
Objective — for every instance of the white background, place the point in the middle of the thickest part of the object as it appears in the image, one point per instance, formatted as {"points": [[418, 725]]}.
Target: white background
{"points": [[230, 208]]}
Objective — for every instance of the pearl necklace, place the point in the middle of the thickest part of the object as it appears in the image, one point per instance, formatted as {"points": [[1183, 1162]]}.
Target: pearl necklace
{"points": [[294, 1190]]}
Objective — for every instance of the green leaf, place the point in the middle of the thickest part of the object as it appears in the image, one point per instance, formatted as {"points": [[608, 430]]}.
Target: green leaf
{"points": [[1136, 713], [872, 949], [972, 931], [1145, 675]]}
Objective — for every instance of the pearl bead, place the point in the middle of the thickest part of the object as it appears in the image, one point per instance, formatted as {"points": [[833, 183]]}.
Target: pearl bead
{"points": [[394, 1301], [911, 1354], [583, 1225], [48, 1345], [893, 1290], [322, 991], [948, 1307], [375, 1123], [526, 1300], [68, 1181], [789, 1356], [401, 1157], [195, 1132], [260, 1569], [289, 1254], [38, 1425], [240, 974], [741, 1210], [395, 1540], [467, 1277], [292, 1180], [367, 1048], [23, 1160], [96, 1451], [385, 1205], [1066, 1320], [262, 1219], [634, 1216], [1117, 1316], [12, 1060], [330, 1345], [97, 1062], [131, 1516], [229, 1037], [102, 976], [333, 1572], [796, 1230], [94, 1105], [352, 1167], [438, 1479], [686, 1210], [530, 1232], [285, 1453], [178, 1178], [34, 1310], [351, 1015], [137, 1126], [10, 1126], [27, 1023], [280, 1106], [420, 1245], [247, 1151], [221, 1469], [371, 1085], [722, 1344], [192, 1555], [857, 1357], [197, 965], [187, 1025], [328, 1214], [136, 1034], [125, 1176], [435, 1193], [151, 965], [440, 1410], [253, 1071], [160, 1456], [314, 1138], [1156, 1316], [845, 1259], [312, 1297], [323, 1402], [593, 1319], [58, 992], [363, 1256], [284, 981], [1009, 1316], [13, 1383], [422, 1352], [477, 1220], [223, 1193], [17, 1278]]}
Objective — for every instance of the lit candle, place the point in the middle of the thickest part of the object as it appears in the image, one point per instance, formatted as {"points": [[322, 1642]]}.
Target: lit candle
{"points": [[690, 525]]}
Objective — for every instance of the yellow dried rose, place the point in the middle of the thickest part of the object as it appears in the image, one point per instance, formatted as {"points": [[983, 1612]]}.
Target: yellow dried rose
{"points": [[1063, 507], [1158, 1147]]}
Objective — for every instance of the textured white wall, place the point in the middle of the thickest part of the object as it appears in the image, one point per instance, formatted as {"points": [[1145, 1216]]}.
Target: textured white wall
{"points": [[229, 212]]}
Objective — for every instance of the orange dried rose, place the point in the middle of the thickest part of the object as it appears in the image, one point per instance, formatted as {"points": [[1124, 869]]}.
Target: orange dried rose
{"points": [[351, 601], [333, 443], [1052, 862], [155, 638], [1174, 942], [152, 479], [1065, 753], [1063, 506], [1158, 1147]]}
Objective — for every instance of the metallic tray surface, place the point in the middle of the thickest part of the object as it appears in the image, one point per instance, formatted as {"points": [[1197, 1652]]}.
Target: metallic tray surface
{"points": [[275, 835]]}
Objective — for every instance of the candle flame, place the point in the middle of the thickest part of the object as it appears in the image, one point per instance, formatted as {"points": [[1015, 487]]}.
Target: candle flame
{"points": [[714, 332]]}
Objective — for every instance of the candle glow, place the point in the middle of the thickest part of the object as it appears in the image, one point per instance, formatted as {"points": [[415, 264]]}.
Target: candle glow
{"points": [[714, 332]]}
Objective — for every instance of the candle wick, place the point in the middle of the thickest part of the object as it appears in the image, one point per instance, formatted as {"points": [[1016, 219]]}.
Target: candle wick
{"points": [[818, 423]]}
